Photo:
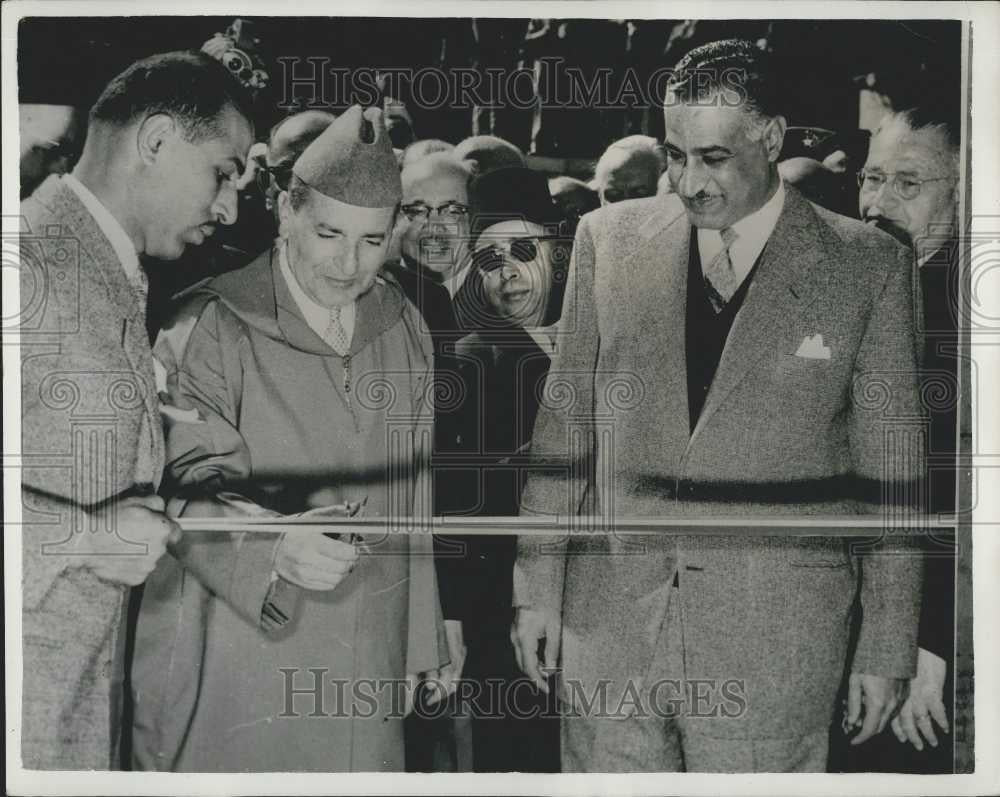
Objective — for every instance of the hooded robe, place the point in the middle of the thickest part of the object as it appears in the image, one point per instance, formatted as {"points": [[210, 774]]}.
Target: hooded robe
{"points": [[258, 406]]}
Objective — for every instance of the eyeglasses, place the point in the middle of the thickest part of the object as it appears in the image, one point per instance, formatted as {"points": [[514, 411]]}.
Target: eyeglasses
{"points": [[449, 211], [524, 250], [904, 186], [264, 174]]}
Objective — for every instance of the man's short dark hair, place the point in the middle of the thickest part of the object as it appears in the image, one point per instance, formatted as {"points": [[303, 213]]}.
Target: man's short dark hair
{"points": [[734, 71], [191, 87]]}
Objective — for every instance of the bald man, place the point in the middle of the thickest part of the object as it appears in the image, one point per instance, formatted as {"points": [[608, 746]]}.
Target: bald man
{"points": [[629, 169]]}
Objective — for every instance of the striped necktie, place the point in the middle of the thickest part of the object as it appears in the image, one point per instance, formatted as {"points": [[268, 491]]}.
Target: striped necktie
{"points": [[721, 281], [335, 335]]}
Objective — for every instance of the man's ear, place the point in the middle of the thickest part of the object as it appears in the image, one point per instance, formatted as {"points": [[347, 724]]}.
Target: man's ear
{"points": [[774, 137], [152, 135], [284, 213]]}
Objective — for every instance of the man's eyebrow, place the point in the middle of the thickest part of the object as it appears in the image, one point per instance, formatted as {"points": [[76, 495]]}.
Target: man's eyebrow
{"points": [[712, 149]]}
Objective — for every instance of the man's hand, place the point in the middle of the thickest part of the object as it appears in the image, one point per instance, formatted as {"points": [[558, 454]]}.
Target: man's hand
{"points": [[136, 520], [445, 681], [879, 696], [923, 703], [530, 626], [313, 561]]}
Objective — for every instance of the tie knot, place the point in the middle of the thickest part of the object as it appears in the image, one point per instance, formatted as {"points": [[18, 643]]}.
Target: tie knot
{"points": [[728, 236]]}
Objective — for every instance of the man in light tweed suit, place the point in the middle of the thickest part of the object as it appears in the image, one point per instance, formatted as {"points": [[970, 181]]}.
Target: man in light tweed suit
{"points": [[728, 350], [164, 144]]}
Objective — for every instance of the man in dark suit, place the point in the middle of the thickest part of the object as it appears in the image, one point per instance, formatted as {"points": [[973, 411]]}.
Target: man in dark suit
{"points": [[165, 143], [730, 349], [500, 370], [910, 187]]}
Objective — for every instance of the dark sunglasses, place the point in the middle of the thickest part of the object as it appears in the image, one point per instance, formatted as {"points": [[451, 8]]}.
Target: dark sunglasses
{"points": [[524, 250], [264, 174]]}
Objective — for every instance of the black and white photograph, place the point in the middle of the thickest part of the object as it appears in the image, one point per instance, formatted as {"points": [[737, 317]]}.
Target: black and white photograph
{"points": [[501, 404]]}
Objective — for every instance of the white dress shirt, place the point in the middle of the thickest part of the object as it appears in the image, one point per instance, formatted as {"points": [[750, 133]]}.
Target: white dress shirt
{"points": [[752, 233], [316, 315], [455, 281], [112, 229]]}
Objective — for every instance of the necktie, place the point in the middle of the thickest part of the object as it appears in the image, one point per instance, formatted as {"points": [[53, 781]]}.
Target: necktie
{"points": [[139, 283], [335, 335], [720, 278]]}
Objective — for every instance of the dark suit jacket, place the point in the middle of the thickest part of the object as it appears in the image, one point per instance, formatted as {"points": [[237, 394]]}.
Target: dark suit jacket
{"points": [[937, 336], [780, 434], [481, 466]]}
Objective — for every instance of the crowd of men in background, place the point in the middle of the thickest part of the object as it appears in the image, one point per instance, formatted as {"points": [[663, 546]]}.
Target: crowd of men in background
{"points": [[375, 341]]}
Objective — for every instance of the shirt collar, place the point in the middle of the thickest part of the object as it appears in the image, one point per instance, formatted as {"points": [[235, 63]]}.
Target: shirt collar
{"points": [[110, 226], [316, 315], [752, 233], [454, 282]]}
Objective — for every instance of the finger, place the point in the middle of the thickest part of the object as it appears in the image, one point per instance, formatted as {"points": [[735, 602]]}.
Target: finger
{"points": [[940, 714], [853, 701], [897, 729], [925, 727], [154, 503], [336, 550], [175, 534], [411, 689], [440, 684], [869, 726], [515, 641], [312, 578], [887, 713], [906, 720], [529, 644], [551, 651]]}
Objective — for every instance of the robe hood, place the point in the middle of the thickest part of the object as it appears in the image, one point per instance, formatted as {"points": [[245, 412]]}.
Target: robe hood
{"points": [[259, 296]]}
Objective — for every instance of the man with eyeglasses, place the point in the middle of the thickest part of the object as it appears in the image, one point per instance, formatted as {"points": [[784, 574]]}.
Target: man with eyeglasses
{"points": [[910, 186], [723, 347], [501, 368], [434, 236]]}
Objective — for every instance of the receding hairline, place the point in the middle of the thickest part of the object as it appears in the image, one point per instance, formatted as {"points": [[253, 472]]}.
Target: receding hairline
{"points": [[436, 164], [616, 157]]}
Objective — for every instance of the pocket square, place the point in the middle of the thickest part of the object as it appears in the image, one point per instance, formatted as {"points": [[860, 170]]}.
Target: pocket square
{"points": [[177, 415], [812, 348]]}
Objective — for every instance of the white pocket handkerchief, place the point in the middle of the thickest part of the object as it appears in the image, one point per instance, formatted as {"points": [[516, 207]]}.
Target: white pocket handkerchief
{"points": [[812, 348], [177, 415]]}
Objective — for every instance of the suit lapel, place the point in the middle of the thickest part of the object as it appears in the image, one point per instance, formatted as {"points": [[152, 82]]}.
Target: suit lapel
{"points": [[134, 339], [791, 273], [666, 252]]}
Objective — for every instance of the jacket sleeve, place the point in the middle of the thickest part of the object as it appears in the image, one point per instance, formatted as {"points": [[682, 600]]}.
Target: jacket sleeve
{"points": [[888, 448], [208, 466], [563, 445], [47, 496], [60, 375]]}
